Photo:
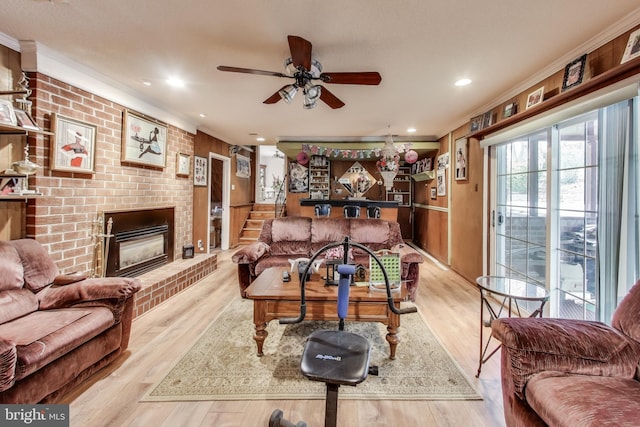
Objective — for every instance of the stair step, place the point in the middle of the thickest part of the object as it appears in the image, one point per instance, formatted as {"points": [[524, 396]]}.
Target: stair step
{"points": [[263, 207], [248, 233], [262, 214]]}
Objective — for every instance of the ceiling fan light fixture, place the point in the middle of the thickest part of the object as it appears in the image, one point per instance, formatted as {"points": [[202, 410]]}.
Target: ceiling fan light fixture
{"points": [[287, 93], [309, 103], [316, 68], [289, 68], [312, 91]]}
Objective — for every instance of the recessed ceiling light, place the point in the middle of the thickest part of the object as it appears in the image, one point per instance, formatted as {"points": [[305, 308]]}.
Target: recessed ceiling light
{"points": [[175, 82], [463, 82], [146, 83], [203, 115], [411, 130], [260, 139]]}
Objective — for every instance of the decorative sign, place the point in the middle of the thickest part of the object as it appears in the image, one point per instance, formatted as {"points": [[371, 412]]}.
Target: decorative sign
{"points": [[391, 263]]}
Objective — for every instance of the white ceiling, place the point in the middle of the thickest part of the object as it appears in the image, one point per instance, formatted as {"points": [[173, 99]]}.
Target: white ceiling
{"points": [[420, 47]]}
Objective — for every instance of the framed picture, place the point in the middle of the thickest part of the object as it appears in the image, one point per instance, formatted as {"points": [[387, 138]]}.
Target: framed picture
{"points": [[183, 164], [25, 120], [461, 159], [298, 178], [73, 147], [200, 171], [7, 114], [633, 47], [243, 166], [535, 97], [433, 193], [574, 72], [476, 123], [487, 119], [144, 140], [441, 183], [509, 109]]}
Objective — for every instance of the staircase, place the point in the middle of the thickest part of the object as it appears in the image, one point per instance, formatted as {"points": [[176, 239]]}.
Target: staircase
{"points": [[252, 226]]}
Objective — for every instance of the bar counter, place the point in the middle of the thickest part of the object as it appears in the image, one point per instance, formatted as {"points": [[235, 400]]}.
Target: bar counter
{"points": [[388, 209]]}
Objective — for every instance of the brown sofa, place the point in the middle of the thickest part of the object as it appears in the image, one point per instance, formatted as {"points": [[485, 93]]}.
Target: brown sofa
{"points": [[56, 330], [298, 237], [562, 372]]}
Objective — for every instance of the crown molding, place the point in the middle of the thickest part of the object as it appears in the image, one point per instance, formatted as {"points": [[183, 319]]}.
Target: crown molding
{"points": [[37, 57], [600, 39]]}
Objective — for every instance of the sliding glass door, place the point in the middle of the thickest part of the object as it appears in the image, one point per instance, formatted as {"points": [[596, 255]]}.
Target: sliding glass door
{"points": [[565, 211]]}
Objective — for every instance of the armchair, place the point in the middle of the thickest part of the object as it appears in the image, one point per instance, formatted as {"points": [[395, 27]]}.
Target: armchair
{"points": [[564, 372]]}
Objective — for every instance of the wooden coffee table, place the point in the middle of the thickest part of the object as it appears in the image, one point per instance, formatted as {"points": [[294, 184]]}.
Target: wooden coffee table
{"points": [[275, 299]]}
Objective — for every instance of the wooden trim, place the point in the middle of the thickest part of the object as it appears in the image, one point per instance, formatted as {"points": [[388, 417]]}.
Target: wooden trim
{"points": [[607, 78]]}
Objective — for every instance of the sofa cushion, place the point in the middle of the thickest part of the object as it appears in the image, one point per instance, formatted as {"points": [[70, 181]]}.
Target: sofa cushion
{"points": [[68, 335], [372, 233], [274, 261], [11, 271], [39, 268], [291, 236], [328, 230], [16, 303], [580, 400]]}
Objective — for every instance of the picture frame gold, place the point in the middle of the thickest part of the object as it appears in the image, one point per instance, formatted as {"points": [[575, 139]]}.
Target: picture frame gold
{"points": [[144, 140], [73, 146]]}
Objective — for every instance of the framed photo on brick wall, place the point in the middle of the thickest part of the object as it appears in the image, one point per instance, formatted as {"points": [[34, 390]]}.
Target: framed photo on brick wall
{"points": [[144, 140], [73, 147]]}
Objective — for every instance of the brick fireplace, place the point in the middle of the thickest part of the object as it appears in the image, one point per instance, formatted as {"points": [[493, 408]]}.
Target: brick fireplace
{"points": [[142, 241]]}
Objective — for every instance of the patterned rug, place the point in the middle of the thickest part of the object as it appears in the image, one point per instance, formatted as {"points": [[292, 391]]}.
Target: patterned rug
{"points": [[223, 365]]}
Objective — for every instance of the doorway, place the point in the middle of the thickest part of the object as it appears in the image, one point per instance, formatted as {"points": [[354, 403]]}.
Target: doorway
{"points": [[271, 173], [219, 172]]}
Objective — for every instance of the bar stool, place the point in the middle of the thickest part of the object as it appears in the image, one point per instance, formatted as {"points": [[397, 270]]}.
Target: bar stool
{"points": [[351, 211], [323, 209], [373, 211]]}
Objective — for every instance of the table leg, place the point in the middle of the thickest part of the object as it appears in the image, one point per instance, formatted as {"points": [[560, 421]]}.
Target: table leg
{"points": [[261, 326], [392, 335]]}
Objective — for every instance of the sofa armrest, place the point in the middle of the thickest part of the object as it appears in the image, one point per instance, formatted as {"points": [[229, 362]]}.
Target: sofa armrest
{"points": [[407, 253], [89, 290], [250, 253], [68, 278], [579, 347], [8, 361]]}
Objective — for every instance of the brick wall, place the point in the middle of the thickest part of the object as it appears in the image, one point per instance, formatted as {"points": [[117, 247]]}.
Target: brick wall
{"points": [[62, 218]]}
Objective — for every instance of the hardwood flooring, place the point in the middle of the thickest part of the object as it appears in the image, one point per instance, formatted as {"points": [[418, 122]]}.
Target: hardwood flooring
{"points": [[448, 303]]}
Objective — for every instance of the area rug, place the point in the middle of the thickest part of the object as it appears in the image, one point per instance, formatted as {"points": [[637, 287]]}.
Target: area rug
{"points": [[223, 364]]}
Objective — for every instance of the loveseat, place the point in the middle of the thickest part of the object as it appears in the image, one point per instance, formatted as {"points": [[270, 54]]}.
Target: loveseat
{"points": [[562, 372], [56, 330], [294, 237]]}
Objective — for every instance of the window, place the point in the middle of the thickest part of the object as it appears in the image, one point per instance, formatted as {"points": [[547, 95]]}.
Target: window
{"points": [[567, 221]]}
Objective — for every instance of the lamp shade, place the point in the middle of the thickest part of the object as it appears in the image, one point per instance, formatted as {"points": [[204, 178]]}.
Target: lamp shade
{"points": [[287, 93]]}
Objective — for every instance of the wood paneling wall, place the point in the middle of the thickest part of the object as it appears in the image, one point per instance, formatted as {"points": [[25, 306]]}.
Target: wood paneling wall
{"points": [[241, 198]]}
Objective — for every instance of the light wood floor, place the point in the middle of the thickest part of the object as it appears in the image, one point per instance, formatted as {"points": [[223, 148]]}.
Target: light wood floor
{"points": [[448, 303]]}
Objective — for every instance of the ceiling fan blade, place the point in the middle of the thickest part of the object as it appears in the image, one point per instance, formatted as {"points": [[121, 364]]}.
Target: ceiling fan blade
{"points": [[363, 78], [330, 99], [275, 97], [300, 51], [250, 71]]}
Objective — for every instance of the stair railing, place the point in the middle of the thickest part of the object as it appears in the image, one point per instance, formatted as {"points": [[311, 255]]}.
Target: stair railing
{"points": [[280, 203]]}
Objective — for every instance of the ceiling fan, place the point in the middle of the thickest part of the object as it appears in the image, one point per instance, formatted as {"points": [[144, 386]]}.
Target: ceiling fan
{"points": [[306, 70]]}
